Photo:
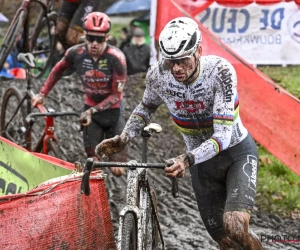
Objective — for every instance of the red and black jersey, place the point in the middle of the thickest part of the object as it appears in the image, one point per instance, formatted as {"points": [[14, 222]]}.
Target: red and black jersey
{"points": [[103, 80]]}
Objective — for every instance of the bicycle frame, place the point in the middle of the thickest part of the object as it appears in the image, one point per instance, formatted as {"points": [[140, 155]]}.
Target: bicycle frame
{"points": [[139, 195], [137, 200], [47, 6], [49, 127]]}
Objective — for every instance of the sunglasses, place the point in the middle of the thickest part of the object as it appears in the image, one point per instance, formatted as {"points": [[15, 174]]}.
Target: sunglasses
{"points": [[98, 39], [171, 63]]}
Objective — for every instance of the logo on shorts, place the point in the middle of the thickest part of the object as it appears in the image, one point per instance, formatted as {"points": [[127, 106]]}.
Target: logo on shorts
{"points": [[250, 170]]}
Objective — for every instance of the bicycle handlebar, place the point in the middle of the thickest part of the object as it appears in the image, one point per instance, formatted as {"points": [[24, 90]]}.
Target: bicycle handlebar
{"points": [[85, 186], [31, 117]]}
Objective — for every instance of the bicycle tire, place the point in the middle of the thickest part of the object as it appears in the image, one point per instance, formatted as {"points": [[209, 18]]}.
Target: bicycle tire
{"points": [[13, 130], [11, 37], [152, 239], [129, 232], [53, 149], [43, 44]]}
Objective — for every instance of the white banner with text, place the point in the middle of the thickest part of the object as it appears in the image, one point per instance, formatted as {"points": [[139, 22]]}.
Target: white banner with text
{"points": [[261, 34]]}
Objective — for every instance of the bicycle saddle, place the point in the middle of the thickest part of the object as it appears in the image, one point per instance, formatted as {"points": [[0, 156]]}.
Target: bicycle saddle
{"points": [[26, 58], [153, 127]]}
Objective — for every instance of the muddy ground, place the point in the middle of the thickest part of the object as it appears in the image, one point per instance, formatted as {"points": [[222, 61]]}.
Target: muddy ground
{"points": [[180, 220]]}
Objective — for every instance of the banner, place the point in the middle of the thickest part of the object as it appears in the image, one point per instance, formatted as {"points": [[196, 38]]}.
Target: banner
{"points": [[261, 34]]}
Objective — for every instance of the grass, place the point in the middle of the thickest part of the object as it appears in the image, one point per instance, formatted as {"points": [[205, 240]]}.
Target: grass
{"points": [[278, 188]]}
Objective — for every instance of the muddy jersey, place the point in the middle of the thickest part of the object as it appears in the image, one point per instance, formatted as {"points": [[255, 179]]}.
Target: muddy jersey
{"points": [[206, 111], [103, 80]]}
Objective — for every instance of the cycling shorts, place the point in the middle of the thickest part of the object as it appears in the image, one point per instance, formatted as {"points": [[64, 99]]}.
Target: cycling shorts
{"points": [[73, 13], [105, 124], [227, 182]]}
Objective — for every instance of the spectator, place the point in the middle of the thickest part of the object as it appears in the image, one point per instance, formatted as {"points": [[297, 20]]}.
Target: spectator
{"points": [[137, 53], [125, 38], [112, 40]]}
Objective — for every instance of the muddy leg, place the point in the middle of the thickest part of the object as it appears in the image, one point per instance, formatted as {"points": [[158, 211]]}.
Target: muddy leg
{"points": [[236, 226]]}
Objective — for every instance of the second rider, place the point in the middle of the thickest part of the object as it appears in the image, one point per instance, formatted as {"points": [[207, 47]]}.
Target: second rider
{"points": [[102, 70]]}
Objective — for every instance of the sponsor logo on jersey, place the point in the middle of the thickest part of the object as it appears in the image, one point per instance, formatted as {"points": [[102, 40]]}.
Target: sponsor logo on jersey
{"points": [[250, 170], [175, 93], [95, 79], [226, 81], [190, 106], [87, 60], [102, 63]]}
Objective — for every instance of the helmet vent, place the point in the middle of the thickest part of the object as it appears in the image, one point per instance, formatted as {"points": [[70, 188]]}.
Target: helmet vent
{"points": [[192, 42], [97, 24], [174, 52]]}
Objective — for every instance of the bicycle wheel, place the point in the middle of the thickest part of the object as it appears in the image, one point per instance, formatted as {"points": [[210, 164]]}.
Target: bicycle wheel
{"points": [[152, 237], [53, 149], [129, 232], [12, 37], [43, 45], [13, 125]]}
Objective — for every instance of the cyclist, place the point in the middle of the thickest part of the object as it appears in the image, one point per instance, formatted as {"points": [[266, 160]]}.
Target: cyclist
{"points": [[201, 95], [72, 13], [102, 70]]}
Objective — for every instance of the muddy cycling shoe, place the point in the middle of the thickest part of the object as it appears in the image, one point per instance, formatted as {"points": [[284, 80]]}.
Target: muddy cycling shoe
{"points": [[117, 171]]}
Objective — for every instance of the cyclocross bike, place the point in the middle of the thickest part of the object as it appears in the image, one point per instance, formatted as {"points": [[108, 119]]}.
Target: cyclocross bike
{"points": [[139, 227], [32, 30], [17, 119]]}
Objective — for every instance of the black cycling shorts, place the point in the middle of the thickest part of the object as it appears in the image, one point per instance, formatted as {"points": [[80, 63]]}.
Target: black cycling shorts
{"points": [[104, 125], [74, 13], [227, 182]]}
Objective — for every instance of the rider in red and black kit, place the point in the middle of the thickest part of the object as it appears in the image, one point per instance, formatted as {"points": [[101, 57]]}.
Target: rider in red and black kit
{"points": [[102, 70]]}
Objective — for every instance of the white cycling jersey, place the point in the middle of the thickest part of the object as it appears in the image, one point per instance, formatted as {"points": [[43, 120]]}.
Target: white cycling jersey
{"points": [[206, 111]]}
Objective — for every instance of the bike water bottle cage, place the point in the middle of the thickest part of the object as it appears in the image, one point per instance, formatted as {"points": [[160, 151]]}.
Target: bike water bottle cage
{"points": [[98, 39]]}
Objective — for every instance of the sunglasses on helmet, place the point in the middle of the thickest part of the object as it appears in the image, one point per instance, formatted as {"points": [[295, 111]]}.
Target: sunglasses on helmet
{"points": [[98, 39]]}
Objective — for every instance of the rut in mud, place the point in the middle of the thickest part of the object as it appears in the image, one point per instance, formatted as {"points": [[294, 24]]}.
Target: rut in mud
{"points": [[180, 220]]}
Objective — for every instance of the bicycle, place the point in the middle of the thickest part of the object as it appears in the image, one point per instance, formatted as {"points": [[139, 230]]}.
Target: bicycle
{"points": [[17, 119], [139, 227], [32, 30]]}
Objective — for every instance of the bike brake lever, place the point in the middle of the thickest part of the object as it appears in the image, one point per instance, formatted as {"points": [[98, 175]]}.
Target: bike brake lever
{"points": [[85, 183], [175, 192]]}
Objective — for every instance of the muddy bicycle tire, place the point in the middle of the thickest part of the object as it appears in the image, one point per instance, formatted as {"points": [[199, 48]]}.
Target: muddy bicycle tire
{"points": [[152, 239], [53, 149], [11, 37], [43, 44], [129, 232], [13, 130]]}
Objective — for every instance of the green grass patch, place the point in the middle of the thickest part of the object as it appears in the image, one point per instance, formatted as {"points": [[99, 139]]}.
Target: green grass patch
{"points": [[278, 188], [287, 77]]}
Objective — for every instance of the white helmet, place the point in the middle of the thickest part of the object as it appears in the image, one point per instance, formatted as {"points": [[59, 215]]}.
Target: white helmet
{"points": [[179, 38]]}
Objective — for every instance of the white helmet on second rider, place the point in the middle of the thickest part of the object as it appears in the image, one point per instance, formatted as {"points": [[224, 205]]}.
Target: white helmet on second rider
{"points": [[180, 38]]}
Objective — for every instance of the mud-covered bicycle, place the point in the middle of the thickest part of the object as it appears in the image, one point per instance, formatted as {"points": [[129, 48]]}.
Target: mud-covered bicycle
{"points": [[17, 118], [139, 227], [32, 30]]}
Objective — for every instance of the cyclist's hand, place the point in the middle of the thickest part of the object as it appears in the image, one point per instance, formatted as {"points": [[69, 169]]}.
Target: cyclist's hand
{"points": [[37, 99], [111, 146], [86, 117], [180, 163]]}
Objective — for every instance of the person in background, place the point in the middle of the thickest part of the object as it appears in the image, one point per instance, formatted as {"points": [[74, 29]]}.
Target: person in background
{"points": [[70, 19], [102, 70], [125, 38], [137, 53]]}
